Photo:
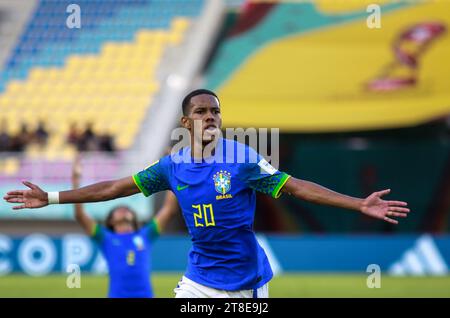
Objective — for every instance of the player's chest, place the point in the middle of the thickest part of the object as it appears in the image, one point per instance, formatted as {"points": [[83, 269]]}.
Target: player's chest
{"points": [[127, 251], [192, 184], [122, 245]]}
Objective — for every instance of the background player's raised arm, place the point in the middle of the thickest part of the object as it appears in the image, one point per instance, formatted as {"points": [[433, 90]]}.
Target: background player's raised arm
{"points": [[167, 211], [372, 206], [86, 222]]}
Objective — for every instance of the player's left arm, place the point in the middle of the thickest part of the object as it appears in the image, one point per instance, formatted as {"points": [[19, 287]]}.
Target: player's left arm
{"points": [[373, 205]]}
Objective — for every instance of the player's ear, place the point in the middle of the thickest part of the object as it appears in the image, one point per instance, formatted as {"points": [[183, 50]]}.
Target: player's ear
{"points": [[185, 122]]}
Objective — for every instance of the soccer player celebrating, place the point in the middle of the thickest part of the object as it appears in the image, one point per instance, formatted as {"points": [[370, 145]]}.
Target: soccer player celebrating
{"points": [[216, 194], [125, 246]]}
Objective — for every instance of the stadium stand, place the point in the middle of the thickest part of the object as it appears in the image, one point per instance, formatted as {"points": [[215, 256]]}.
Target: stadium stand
{"points": [[108, 73], [104, 73]]}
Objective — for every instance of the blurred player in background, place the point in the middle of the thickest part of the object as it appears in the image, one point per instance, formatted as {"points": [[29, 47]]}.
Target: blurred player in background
{"points": [[125, 246], [217, 198]]}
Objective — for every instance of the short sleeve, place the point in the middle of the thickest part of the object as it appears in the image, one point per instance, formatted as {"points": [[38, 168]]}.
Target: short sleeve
{"points": [[152, 179], [98, 233], [263, 177], [151, 230]]}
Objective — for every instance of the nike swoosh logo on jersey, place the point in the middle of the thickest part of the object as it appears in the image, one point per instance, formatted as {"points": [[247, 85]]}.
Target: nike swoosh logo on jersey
{"points": [[179, 188]]}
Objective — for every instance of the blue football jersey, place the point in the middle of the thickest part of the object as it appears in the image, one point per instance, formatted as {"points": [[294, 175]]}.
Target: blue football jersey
{"points": [[217, 198], [128, 256]]}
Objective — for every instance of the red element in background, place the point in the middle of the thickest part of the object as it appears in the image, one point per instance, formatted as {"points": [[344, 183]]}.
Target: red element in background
{"points": [[389, 84], [250, 16], [422, 35]]}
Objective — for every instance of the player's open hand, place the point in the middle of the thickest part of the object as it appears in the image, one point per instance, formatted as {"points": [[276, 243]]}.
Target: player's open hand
{"points": [[381, 209], [30, 199]]}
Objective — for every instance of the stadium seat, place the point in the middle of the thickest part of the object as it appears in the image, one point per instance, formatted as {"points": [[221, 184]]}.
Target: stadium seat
{"points": [[103, 72]]}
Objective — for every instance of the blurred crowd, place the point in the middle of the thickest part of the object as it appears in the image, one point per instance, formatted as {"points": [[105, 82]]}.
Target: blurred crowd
{"points": [[83, 140], [88, 140], [25, 137]]}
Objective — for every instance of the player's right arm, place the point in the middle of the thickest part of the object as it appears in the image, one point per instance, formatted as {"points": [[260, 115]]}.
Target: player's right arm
{"points": [[101, 191], [148, 181]]}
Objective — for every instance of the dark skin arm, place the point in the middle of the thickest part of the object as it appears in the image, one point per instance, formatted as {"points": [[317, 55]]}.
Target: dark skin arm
{"points": [[101, 191], [163, 216], [86, 222], [167, 211], [372, 206]]}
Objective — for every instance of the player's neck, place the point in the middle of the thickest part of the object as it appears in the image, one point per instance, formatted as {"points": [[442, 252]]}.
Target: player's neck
{"points": [[123, 229], [202, 149]]}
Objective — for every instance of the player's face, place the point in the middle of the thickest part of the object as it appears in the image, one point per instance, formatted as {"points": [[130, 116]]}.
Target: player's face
{"points": [[123, 220], [205, 109]]}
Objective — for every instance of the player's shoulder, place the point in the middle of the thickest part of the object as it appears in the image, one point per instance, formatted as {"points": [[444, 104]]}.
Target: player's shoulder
{"points": [[166, 160], [243, 154], [182, 155], [161, 162], [101, 233], [237, 145], [234, 143]]}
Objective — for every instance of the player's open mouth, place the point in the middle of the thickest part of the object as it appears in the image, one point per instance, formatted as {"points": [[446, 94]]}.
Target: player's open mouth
{"points": [[211, 127]]}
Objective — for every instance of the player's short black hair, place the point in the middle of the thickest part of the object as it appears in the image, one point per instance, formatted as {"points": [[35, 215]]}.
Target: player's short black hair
{"points": [[187, 98], [108, 221]]}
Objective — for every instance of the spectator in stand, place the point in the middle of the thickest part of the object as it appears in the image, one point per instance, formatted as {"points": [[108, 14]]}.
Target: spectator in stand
{"points": [[73, 136], [5, 138], [106, 142], [88, 140], [21, 140], [41, 134]]}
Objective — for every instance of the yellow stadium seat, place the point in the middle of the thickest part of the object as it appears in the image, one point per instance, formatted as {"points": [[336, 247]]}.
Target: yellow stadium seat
{"points": [[11, 166], [68, 153], [112, 89]]}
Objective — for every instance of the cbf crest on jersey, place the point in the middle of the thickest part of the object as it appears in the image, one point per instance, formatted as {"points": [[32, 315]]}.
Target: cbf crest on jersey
{"points": [[138, 242], [222, 184]]}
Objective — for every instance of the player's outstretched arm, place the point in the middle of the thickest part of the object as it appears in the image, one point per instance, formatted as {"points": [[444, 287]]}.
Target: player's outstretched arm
{"points": [[372, 206], [86, 222], [102, 191]]}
